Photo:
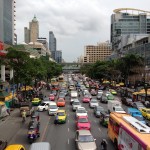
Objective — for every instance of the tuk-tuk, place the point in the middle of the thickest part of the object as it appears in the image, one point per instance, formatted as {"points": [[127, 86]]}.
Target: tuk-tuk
{"points": [[104, 118]]}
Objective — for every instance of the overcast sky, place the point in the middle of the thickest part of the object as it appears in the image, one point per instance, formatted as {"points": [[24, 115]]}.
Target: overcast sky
{"points": [[75, 23]]}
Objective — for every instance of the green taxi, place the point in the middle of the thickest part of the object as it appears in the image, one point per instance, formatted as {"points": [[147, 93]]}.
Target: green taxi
{"points": [[36, 101]]}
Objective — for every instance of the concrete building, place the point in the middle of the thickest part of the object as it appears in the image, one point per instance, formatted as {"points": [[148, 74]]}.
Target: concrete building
{"points": [[7, 21], [99, 52], [52, 41], [43, 41], [32, 34], [126, 21]]}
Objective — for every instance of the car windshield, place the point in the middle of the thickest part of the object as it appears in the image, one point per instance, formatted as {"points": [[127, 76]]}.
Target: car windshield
{"points": [[61, 114], [86, 138], [60, 100], [119, 109], [93, 101], [43, 104], [81, 111], [140, 118], [53, 107], [82, 120], [76, 103]]}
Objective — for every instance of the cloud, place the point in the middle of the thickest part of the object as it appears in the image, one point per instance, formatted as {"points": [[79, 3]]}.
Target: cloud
{"points": [[74, 22]]}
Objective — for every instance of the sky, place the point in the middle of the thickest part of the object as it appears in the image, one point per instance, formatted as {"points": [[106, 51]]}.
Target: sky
{"points": [[75, 23]]}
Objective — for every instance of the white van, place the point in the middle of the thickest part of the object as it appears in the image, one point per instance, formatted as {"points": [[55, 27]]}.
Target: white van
{"points": [[52, 109], [115, 105], [40, 146]]}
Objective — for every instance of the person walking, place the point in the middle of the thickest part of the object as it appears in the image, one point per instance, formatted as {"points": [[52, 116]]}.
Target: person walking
{"points": [[24, 114], [103, 144]]}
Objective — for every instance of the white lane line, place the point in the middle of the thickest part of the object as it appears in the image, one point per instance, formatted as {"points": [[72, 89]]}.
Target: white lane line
{"points": [[68, 141], [68, 129], [99, 129]]}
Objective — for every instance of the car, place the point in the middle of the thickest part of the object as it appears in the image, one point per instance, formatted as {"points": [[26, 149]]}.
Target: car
{"points": [[138, 105], [65, 91], [107, 93], [52, 109], [99, 96], [83, 123], [62, 116], [100, 91], [104, 99], [75, 105], [86, 99], [54, 92], [73, 99], [89, 95], [104, 118], [43, 106], [84, 140], [61, 102], [110, 97], [127, 101], [36, 101], [61, 95], [93, 103], [80, 111], [112, 91], [52, 97], [146, 113], [98, 110], [93, 92]]}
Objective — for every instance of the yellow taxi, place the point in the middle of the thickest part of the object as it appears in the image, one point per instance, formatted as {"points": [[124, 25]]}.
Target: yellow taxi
{"points": [[146, 113], [36, 101], [62, 116], [15, 147], [112, 91]]}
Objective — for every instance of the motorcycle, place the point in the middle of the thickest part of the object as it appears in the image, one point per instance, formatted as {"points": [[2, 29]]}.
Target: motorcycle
{"points": [[32, 135]]}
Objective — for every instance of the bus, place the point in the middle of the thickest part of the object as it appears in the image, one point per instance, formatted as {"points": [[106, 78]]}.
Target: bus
{"points": [[128, 133]]}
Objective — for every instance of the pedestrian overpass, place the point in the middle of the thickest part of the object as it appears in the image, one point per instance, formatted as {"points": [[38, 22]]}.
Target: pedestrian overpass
{"points": [[72, 67]]}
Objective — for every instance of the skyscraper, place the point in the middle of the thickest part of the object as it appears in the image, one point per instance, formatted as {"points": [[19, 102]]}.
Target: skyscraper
{"points": [[7, 9], [127, 21], [32, 34], [52, 41]]}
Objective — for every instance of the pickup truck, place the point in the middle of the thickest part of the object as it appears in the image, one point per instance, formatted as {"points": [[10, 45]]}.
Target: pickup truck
{"points": [[136, 113]]}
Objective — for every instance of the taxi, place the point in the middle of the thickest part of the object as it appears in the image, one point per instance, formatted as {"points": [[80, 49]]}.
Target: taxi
{"points": [[36, 101], [112, 91], [61, 102], [146, 113], [62, 116], [15, 147], [52, 97]]}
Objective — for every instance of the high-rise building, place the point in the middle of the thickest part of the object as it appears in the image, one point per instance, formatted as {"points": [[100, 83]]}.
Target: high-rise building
{"points": [[97, 52], [58, 56], [52, 41], [32, 34], [7, 18], [127, 21], [43, 41]]}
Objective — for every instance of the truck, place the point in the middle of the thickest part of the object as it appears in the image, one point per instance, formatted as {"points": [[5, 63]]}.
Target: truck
{"points": [[115, 106], [27, 106], [136, 113]]}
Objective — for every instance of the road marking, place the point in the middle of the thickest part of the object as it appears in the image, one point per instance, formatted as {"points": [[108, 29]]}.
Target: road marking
{"points": [[68, 129], [45, 129], [68, 141], [99, 129]]}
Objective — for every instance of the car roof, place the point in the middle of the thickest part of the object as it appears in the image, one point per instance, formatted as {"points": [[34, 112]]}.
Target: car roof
{"points": [[84, 132], [61, 110]]}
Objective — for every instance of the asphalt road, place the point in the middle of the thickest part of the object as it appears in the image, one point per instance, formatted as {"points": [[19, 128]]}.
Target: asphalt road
{"points": [[61, 136]]}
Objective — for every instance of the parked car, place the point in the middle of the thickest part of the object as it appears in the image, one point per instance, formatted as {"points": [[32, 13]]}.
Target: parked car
{"points": [[84, 140], [138, 105], [98, 110], [83, 123], [93, 103]]}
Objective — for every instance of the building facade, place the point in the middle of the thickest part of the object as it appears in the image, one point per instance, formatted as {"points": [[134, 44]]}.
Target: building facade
{"points": [[7, 21], [31, 34], [58, 56], [97, 52], [52, 41], [128, 21]]}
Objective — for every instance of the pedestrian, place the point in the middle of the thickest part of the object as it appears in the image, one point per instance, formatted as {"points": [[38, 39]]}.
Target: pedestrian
{"points": [[8, 111], [56, 119], [103, 144]]}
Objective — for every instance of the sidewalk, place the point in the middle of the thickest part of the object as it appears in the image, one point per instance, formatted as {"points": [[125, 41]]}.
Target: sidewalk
{"points": [[10, 125]]}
